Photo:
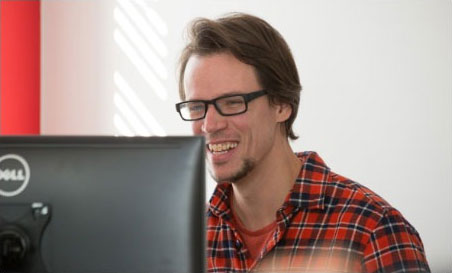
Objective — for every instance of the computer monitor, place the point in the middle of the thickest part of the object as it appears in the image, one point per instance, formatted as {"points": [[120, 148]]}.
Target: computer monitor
{"points": [[102, 204]]}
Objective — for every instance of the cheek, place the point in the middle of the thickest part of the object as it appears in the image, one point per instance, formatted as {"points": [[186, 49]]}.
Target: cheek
{"points": [[240, 123], [262, 130], [196, 127]]}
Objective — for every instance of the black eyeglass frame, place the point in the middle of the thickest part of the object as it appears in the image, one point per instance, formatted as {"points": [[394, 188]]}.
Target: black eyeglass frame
{"points": [[246, 97]]}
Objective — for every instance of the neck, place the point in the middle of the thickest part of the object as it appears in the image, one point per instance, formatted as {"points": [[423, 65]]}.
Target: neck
{"points": [[258, 196]]}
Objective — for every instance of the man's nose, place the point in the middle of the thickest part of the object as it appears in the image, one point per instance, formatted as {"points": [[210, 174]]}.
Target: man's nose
{"points": [[213, 121]]}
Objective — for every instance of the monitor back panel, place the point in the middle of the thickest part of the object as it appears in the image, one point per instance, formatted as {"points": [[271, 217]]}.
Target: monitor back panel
{"points": [[117, 204]]}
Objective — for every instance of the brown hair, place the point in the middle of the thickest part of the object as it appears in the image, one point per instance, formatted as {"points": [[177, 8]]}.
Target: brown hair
{"points": [[252, 41]]}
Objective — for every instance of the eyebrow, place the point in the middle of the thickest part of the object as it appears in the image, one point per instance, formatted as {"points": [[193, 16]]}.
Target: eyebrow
{"points": [[232, 93]]}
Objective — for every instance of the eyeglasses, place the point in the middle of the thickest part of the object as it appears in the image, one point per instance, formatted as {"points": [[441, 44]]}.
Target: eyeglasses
{"points": [[229, 105]]}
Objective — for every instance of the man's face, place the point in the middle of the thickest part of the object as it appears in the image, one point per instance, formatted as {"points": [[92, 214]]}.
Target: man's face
{"points": [[235, 144]]}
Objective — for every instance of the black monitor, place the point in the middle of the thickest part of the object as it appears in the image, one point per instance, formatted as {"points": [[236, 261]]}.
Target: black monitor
{"points": [[102, 204]]}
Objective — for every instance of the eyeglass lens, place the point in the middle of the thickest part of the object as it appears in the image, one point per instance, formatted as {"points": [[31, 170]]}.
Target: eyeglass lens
{"points": [[226, 106]]}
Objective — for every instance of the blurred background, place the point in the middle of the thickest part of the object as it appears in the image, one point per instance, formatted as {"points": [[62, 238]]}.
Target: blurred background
{"points": [[376, 75]]}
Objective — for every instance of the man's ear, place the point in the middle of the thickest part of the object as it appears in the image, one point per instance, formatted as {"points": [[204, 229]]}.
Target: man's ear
{"points": [[283, 112]]}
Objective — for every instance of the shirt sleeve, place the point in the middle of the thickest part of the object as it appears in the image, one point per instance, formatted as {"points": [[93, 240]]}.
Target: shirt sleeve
{"points": [[394, 246]]}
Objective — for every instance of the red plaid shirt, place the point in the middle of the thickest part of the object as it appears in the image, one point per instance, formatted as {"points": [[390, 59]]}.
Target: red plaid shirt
{"points": [[327, 224]]}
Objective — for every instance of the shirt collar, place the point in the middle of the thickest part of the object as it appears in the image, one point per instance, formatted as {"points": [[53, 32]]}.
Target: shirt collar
{"points": [[219, 202], [308, 191], [310, 186]]}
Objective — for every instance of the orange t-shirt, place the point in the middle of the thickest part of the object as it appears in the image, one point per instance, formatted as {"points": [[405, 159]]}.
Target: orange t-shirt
{"points": [[254, 240]]}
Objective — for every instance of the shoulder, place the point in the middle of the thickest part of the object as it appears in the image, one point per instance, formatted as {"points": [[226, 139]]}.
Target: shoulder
{"points": [[343, 195], [353, 196], [341, 190], [334, 190]]}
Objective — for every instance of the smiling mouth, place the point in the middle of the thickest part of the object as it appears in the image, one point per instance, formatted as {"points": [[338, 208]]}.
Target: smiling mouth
{"points": [[221, 148]]}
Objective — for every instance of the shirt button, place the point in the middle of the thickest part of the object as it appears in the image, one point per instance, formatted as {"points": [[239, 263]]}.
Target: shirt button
{"points": [[238, 244]]}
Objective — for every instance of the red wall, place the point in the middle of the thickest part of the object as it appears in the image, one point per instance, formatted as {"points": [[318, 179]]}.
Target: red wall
{"points": [[20, 67]]}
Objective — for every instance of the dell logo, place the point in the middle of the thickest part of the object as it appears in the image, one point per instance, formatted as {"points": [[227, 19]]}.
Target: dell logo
{"points": [[14, 175]]}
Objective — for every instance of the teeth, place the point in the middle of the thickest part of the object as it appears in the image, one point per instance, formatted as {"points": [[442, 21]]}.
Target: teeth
{"points": [[221, 147]]}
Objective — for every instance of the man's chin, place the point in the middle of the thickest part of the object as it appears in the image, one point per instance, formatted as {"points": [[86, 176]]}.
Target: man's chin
{"points": [[219, 172], [218, 177], [232, 176]]}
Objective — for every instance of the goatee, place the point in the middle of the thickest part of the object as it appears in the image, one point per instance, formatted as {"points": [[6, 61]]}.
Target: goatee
{"points": [[247, 167]]}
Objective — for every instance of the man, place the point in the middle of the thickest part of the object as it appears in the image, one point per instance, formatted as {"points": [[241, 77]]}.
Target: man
{"points": [[274, 210]]}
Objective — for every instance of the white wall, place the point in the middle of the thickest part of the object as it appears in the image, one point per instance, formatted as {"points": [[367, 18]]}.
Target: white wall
{"points": [[376, 76]]}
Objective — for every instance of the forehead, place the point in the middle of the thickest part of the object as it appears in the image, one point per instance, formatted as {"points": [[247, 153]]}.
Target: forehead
{"points": [[210, 76]]}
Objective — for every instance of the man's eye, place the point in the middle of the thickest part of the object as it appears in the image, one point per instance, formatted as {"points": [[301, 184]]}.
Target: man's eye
{"points": [[195, 108], [233, 102]]}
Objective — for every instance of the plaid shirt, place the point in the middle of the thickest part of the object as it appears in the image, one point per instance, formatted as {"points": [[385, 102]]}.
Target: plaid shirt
{"points": [[326, 224]]}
